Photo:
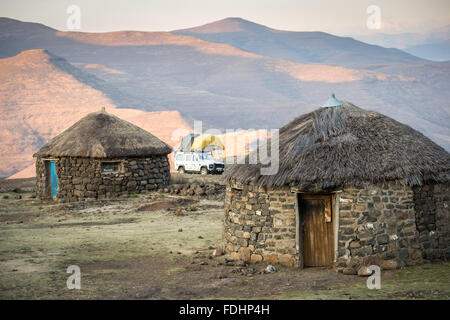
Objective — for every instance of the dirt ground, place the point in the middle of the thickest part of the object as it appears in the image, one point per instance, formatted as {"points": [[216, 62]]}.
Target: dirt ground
{"points": [[143, 247]]}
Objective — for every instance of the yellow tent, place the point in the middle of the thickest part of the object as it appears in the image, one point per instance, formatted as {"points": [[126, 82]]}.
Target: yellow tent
{"points": [[206, 141]]}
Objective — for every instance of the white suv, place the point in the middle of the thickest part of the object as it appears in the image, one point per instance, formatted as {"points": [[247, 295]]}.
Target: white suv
{"points": [[197, 162]]}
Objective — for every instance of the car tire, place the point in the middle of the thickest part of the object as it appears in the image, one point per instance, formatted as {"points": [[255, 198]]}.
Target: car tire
{"points": [[204, 171], [181, 170]]}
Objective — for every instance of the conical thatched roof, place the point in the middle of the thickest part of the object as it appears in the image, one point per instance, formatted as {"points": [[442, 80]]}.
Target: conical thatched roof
{"points": [[103, 135], [332, 146]]}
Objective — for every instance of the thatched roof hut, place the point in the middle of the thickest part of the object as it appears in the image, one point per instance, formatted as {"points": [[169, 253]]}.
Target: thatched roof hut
{"points": [[332, 146], [354, 188], [101, 156], [103, 135]]}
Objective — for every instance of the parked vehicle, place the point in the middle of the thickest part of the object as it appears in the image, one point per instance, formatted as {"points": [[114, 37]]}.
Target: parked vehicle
{"points": [[198, 162]]}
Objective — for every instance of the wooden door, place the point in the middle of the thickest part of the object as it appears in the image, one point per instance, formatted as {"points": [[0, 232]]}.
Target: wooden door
{"points": [[318, 233]]}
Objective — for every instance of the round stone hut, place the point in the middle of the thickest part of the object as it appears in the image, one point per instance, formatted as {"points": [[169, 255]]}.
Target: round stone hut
{"points": [[354, 188], [101, 156]]}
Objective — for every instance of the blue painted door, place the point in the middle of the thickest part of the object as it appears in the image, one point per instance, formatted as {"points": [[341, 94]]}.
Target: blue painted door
{"points": [[54, 179]]}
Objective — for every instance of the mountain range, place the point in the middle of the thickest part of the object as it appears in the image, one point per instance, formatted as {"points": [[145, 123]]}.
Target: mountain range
{"points": [[42, 95], [230, 73], [432, 45]]}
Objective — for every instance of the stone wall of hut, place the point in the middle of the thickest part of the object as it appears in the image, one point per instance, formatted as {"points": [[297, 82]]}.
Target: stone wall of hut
{"points": [[392, 226], [432, 204], [82, 178], [377, 226], [260, 225], [388, 225]]}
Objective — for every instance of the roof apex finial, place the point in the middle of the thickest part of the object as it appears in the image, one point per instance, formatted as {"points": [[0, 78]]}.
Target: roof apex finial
{"points": [[103, 109], [332, 102]]}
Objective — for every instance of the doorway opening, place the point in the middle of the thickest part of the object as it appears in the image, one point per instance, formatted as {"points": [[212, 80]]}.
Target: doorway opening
{"points": [[316, 232], [51, 178]]}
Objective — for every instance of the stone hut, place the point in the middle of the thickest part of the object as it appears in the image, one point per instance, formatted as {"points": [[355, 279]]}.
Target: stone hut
{"points": [[354, 188], [101, 156]]}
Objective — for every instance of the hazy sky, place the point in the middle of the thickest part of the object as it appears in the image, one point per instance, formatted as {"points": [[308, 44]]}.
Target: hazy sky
{"points": [[335, 16]]}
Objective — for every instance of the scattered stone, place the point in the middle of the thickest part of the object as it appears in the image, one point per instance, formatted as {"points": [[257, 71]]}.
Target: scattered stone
{"points": [[217, 252], [389, 265], [180, 212], [244, 254], [349, 271], [204, 263], [255, 258], [270, 269], [240, 263], [364, 272], [199, 191]]}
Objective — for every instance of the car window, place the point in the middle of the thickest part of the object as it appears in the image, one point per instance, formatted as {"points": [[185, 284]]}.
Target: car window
{"points": [[206, 156], [189, 157]]}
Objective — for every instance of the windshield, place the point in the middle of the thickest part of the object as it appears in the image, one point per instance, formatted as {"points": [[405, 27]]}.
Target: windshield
{"points": [[206, 156]]}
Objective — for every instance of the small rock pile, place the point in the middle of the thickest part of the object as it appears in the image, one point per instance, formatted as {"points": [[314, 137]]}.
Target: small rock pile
{"points": [[209, 190], [245, 268]]}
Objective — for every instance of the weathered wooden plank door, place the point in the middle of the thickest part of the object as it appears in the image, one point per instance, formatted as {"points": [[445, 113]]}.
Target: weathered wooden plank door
{"points": [[318, 233]]}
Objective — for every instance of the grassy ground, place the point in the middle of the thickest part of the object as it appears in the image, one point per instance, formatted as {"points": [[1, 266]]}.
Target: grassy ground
{"points": [[419, 282], [138, 247], [39, 241]]}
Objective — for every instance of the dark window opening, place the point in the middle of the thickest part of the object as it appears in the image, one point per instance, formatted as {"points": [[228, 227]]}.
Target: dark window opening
{"points": [[108, 167]]}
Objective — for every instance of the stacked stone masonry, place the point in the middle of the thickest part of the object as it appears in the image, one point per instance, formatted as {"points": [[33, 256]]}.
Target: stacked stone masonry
{"points": [[432, 220], [377, 226], [260, 225], [386, 224], [81, 178]]}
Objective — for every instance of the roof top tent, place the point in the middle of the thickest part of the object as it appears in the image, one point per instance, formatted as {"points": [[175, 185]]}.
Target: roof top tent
{"points": [[186, 142], [200, 143]]}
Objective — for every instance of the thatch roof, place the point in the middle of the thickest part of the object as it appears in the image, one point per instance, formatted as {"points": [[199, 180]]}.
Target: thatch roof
{"points": [[334, 146], [103, 135]]}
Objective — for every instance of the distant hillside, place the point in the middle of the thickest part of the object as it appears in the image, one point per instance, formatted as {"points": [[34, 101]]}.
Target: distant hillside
{"points": [[310, 47], [432, 45], [41, 95], [255, 77], [431, 51]]}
